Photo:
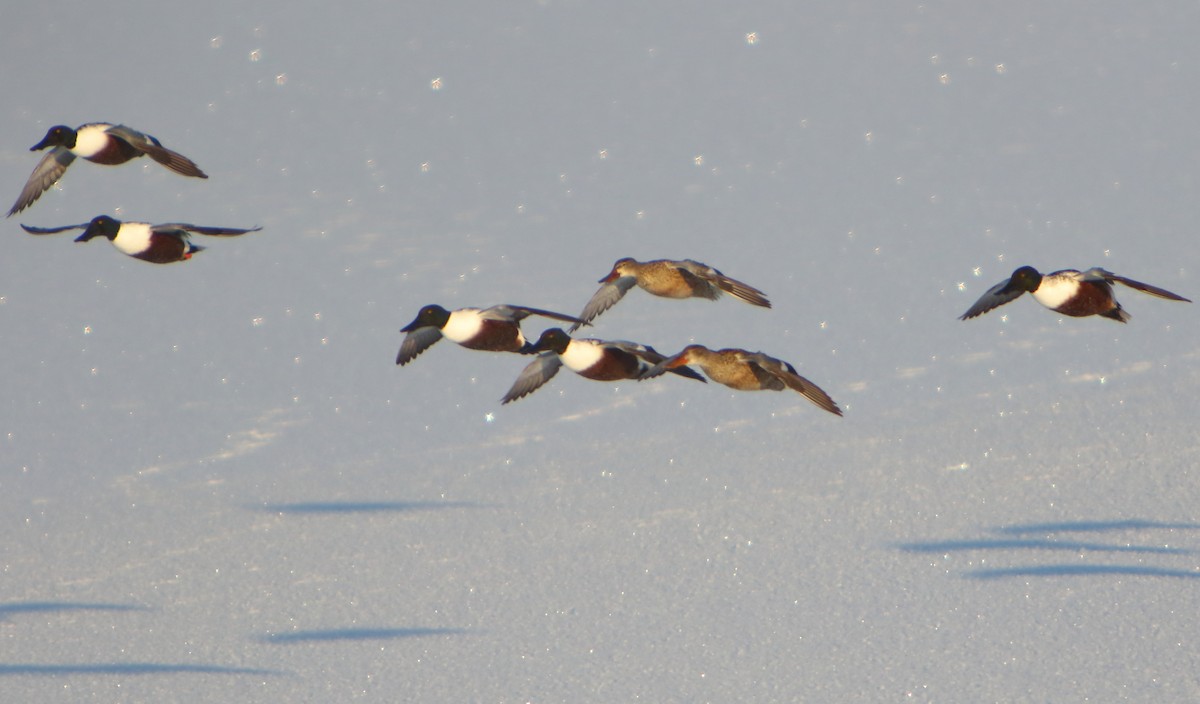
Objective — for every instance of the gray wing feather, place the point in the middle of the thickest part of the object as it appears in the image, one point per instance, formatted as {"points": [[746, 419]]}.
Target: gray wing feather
{"points": [[52, 230], [203, 230], [417, 342], [743, 291], [639, 350], [150, 146], [606, 297], [533, 376], [729, 285], [1143, 287], [995, 297], [787, 374], [51, 168], [519, 313]]}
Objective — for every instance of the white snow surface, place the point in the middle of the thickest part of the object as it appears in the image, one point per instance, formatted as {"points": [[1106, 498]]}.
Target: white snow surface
{"points": [[216, 485]]}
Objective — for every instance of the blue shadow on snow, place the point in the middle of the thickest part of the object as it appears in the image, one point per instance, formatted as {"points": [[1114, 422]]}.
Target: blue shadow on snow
{"points": [[1082, 570], [1093, 527], [129, 668], [42, 607], [1014, 544], [336, 507], [336, 634], [1075, 546]]}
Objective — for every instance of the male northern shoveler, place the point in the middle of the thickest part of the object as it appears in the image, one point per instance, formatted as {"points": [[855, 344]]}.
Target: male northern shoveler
{"points": [[669, 279], [601, 360], [158, 244], [495, 329], [1070, 292], [98, 142], [746, 371]]}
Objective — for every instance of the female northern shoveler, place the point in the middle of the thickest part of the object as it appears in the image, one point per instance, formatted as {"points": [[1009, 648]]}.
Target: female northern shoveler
{"points": [[669, 279], [601, 360], [158, 244], [495, 329], [98, 142], [746, 371], [1070, 292]]}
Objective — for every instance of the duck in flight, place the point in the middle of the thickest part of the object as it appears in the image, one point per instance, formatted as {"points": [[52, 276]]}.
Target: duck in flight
{"points": [[157, 244], [100, 143], [599, 360], [1069, 292], [746, 371], [670, 279], [495, 329]]}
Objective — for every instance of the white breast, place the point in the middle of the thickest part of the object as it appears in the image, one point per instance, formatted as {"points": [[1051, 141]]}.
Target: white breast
{"points": [[1054, 291], [581, 354], [462, 325], [133, 237], [90, 140]]}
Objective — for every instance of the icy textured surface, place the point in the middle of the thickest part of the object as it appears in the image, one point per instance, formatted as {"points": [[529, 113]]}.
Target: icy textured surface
{"points": [[215, 485]]}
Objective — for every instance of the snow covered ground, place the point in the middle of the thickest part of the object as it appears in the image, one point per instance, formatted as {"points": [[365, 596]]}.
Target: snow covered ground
{"points": [[215, 485]]}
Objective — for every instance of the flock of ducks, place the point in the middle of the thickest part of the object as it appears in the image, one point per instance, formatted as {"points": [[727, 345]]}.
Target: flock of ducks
{"points": [[498, 328], [1068, 292], [108, 144]]}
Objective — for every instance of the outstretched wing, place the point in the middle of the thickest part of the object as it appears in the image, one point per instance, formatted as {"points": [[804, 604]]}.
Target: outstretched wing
{"points": [[174, 161], [691, 268], [52, 230], [519, 313], [533, 376], [787, 374], [995, 297], [45, 174], [1144, 288], [417, 342], [199, 229], [747, 293], [606, 297]]}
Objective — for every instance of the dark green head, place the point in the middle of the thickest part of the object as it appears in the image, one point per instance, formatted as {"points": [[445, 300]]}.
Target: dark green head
{"points": [[1025, 279], [58, 135], [100, 226], [431, 316], [554, 340]]}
